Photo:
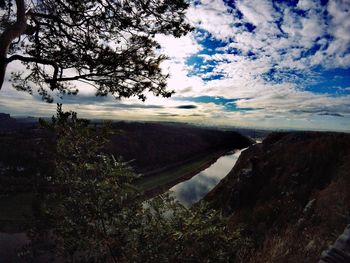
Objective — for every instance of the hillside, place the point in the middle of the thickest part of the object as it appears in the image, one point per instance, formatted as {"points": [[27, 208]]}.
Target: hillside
{"points": [[154, 145], [292, 194], [25, 150]]}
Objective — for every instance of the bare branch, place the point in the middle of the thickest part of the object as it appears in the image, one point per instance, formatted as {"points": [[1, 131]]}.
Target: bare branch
{"points": [[39, 61]]}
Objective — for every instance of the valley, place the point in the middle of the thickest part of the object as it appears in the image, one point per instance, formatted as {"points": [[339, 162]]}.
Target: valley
{"points": [[289, 193]]}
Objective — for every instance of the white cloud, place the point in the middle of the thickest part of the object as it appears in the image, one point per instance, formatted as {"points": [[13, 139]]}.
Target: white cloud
{"points": [[306, 4], [178, 48], [339, 28], [280, 39], [258, 12], [213, 16]]}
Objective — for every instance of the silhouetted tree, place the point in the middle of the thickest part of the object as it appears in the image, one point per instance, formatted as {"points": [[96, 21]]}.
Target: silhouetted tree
{"points": [[108, 44]]}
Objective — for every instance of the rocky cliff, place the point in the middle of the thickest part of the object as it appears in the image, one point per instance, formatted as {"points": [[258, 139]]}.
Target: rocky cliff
{"points": [[292, 194]]}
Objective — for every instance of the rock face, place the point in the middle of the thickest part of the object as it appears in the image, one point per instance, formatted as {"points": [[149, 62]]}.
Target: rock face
{"points": [[340, 251], [292, 194]]}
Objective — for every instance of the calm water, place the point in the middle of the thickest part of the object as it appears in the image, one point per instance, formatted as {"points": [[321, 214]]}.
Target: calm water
{"points": [[194, 189], [187, 192]]}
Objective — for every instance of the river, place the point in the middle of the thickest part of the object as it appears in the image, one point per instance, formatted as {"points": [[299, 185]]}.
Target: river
{"points": [[186, 192], [191, 191]]}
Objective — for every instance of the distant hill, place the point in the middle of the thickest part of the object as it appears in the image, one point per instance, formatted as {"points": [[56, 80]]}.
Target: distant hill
{"points": [[292, 192], [4, 116], [9, 123], [6, 122]]}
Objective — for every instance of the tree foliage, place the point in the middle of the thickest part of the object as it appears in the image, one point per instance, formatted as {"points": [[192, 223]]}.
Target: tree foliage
{"points": [[108, 44], [95, 213]]}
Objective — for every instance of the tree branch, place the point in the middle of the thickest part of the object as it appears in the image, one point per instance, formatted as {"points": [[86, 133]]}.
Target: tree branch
{"points": [[11, 33], [43, 61]]}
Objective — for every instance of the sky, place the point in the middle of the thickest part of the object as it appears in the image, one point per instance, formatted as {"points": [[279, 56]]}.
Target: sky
{"points": [[250, 63]]}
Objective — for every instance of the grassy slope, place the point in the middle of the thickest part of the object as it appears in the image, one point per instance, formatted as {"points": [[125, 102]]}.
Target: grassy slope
{"points": [[15, 210], [168, 178], [293, 193]]}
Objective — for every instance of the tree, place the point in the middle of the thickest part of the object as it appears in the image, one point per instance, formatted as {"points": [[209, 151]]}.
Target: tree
{"points": [[95, 213], [108, 44]]}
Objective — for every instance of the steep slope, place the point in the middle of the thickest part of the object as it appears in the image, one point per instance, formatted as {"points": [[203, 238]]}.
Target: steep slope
{"points": [[156, 145], [293, 194]]}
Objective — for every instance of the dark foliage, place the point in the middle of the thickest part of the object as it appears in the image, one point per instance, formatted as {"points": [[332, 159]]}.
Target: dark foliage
{"points": [[108, 44], [94, 213], [293, 192]]}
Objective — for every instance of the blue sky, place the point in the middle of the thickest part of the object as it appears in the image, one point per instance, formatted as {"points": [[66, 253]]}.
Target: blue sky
{"points": [[256, 63]]}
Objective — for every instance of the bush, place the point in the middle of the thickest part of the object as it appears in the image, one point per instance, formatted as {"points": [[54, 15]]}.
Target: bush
{"points": [[95, 214]]}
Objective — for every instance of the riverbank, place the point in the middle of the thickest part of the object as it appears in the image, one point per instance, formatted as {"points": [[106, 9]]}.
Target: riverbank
{"points": [[156, 183], [17, 208], [193, 190]]}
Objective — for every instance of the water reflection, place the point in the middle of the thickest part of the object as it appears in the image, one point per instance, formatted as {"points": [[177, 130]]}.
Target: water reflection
{"points": [[187, 192], [192, 190]]}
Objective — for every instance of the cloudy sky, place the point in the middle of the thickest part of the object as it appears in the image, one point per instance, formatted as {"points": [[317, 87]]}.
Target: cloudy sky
{"points": [[255, 63]]}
